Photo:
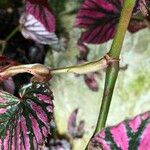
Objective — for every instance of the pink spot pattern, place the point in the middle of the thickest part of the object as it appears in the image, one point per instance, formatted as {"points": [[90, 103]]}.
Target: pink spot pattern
{"points": [[25, 133], [131, 134], [44, 98], [120, 137], [3, 110], [145, 139], [40, 112], [36, 130], [27, 123], [135, 124]]}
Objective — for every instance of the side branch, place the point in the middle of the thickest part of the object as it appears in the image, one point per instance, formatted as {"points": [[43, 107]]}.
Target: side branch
{"points": [[86, 67], [43, 73]]}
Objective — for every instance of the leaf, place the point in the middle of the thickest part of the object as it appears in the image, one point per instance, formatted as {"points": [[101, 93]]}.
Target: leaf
{"points": [[128, 135], [24, 121], [38, 23], [91, 82], [99, 18], [136, 25], [41, 11], [41, 2], [75, 131]]}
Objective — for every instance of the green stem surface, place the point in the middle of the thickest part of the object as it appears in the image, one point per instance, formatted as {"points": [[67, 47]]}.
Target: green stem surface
{"points": [[85, 67], [15, 30], [112, 70]]}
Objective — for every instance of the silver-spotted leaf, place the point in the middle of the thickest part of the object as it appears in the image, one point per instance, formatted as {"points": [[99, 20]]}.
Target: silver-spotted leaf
{"points": [[131, 134], [25, 121]]}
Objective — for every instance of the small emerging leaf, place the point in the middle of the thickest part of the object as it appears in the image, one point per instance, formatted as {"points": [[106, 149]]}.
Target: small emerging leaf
{"points": [[24, 121], [131, 134]]}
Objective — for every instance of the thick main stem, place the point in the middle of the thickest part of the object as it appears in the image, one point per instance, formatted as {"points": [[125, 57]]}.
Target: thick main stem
{"points": [[112, 71]]}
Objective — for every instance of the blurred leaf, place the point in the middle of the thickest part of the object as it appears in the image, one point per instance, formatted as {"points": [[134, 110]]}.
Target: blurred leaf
{"points": [[74, 130], [3, 2], [24, 121]]}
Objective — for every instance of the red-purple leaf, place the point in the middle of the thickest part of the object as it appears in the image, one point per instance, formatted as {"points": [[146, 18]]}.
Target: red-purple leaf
{"points": [[40, 2], [34, 30], [137, 24], [99, 18], [91, 81], [40, 10], [75, 131], [38, 23], [25, 121], [128, 135]]}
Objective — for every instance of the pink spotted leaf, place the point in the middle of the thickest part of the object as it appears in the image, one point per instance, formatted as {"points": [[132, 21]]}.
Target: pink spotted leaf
{"points": [[25, 121], [131, 134]]}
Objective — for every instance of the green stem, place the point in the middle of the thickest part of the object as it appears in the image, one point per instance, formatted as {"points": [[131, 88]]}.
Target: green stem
{"points": [[85, 67], [112, 70], [15, 30]]}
